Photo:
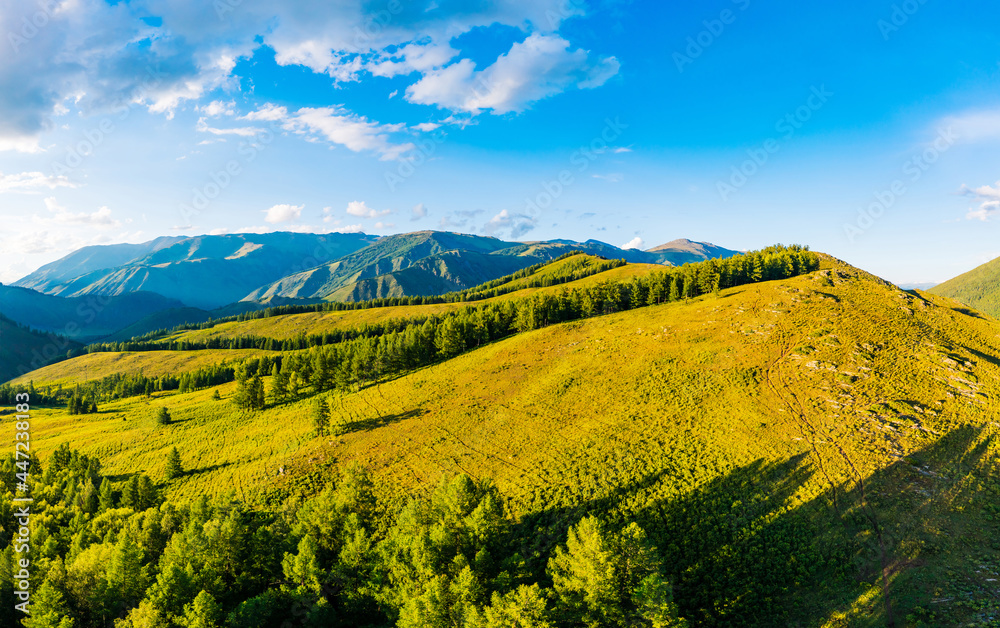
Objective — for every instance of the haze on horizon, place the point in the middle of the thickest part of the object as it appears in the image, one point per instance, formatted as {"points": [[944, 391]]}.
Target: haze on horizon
{"points": [[865, 130]]}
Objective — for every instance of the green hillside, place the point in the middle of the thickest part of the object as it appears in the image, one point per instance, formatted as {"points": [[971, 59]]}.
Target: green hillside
{"points": [[86, 318], [979, 288], [23, 350], [814, 450], [436, 274]]}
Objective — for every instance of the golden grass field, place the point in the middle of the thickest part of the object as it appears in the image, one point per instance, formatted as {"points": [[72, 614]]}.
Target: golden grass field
{"points": [[831, 397]]}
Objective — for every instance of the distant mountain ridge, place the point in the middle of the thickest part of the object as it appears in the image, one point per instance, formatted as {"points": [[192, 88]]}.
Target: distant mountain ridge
{"points": [[206, 272], [169, 281], [433, 262], [682, 251]]}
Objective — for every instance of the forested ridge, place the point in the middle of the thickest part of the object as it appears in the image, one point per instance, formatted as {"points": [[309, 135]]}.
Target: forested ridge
{"points": [[344, 358]]}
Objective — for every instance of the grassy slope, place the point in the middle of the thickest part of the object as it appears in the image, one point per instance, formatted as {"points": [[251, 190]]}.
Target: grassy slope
{"points": [[832, 407], [153, 363], [979, 288], [291, 325]]}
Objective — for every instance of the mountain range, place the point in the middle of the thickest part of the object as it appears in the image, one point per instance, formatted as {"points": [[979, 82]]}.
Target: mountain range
{"points": [[118, 291]]}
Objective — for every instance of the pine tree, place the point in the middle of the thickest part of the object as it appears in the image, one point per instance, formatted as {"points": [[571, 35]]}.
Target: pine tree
{"points": [[448, 340], [321, 416], [216, 396], [107, 496], [89, 500], [174, 467], [257, 393], [130, 493], [163, 416], [242, 395], [204, 612], [48, 605]]}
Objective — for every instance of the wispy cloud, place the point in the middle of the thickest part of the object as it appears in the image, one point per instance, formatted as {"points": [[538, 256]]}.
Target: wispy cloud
{"points": [[988, 198], [32, 182]]}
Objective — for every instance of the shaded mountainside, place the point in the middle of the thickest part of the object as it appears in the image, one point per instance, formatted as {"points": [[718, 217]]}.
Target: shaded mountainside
{"points": [[979, 288], [387, 255], [90, 259], [815, 451], [23, 350], [436, 274], [82, 318], [206, 272], [430, 262]]}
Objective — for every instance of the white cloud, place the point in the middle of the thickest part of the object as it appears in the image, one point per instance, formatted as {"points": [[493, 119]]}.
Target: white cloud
{"points": [[384, 225], [283, 213], [361, 210], [218, 108], [634, 243], [20, 143], [506, 224], [415, 58], [622, 149], [540, 66], [31, 181], [612, 177], [356, 133], [427, 126], [973, 126], [988, 198], [101, 218], [100, 56], [247, 131], [419, 211], [267, 113]]}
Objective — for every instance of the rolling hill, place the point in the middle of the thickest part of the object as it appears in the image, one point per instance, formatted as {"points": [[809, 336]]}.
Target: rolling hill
{"points": [[23, 350], [85, 318], [818, 450], [979, 288]]}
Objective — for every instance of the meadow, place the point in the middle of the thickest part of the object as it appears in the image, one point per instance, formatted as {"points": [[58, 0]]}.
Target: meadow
{"points": [[817, 450]]}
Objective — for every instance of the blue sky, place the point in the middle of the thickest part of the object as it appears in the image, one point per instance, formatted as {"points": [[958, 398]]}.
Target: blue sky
{"points": [[867, 130]]}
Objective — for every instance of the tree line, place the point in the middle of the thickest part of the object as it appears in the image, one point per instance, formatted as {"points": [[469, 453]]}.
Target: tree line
{"points": [[345, 359]]}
